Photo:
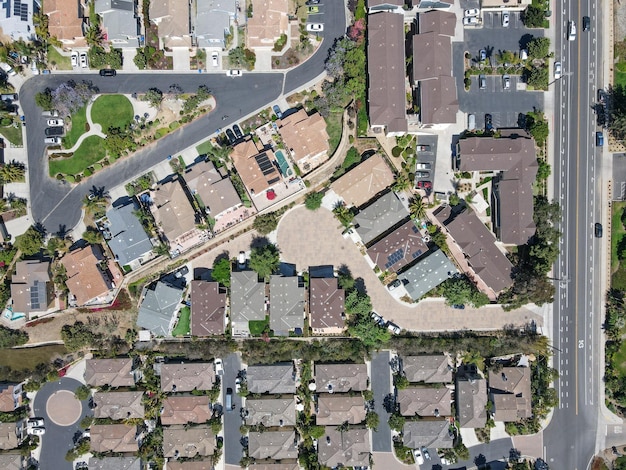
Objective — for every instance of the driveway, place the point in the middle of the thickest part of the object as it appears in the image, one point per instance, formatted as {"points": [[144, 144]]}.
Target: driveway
{"points": [[232, 419], [308, 238], [62, 413], [381, 387]]}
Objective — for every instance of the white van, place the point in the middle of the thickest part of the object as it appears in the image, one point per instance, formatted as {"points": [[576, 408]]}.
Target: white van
{"points": [[7, 68], [571, 31]]}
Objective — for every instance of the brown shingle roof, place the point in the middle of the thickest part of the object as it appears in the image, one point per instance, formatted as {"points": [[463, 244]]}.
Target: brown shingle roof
{"points": [[113, 438], [276, 445], [112, 372], [85, 280], [65, 19], [11, 462], [386, 71], [326, 305], [437, 21], [118, 405], [338, 409], [364, 181], [428, 369], [218, 194], [8, 436], [274, 466], [306, 137], [471, 399], [208, 305], [269, 20], [172, 210], [511, 391], [206, 464], [186, 377], [349, 448], [10, 397], [432, 56], [183, 410], [172, 18], [425, 401], [341, 378], [184, 441], [439, 101], [246, 159], [271, 412], [398, 248]]}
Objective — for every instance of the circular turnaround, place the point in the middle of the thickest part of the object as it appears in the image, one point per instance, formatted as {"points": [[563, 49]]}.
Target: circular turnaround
{"points": [[63, 408]]}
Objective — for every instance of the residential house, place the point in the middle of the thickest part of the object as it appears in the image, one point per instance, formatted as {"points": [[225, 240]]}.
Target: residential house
{"points": [[90, 278], [247, 301], [349, 448], [65, 21], [187, 377], [174, 214], [428, 369], [335, 409], [159, 307], [257, 167], [395, 6], [126, 236], [276, 378], [273, 466], [425, 401], [277, 445], [271, 412], [341, 378], [116, 438], [9, 436], [16, 20], [110, 372], [286, 305], [438, 21], [214, 190], [118, 405], [306, 139], [471, 398], [364, 181], [212, 21], [208, 308], [386, 73], [427, 5], [31, 288], [511, 393], [432, 434], [326, 306], [10, 397], [427, 273], [398, 248], [115, 463], [383, 214], [512, 156], [268, 22], [172, 20], [12, 462], [120, 22], [187, 442], [477, 244], [204, 464], [185, 409]]}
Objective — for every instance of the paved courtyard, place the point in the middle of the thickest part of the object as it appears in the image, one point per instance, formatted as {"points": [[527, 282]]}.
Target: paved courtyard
{"points": [[308, 238]]}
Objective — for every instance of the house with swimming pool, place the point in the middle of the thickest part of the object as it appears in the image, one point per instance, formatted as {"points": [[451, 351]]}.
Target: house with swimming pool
{"points": [[305, 139]]}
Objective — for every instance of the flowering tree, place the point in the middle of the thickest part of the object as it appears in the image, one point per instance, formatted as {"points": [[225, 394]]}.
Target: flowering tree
{"points": [[69, 97]]}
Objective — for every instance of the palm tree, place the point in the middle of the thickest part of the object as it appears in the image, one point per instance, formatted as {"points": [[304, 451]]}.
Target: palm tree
{"points": [[95, 205], [92, 236], [41, 22], [12, 172], [56, 245], [417, 208], [402, 183], [344, 214], [94, 36]]}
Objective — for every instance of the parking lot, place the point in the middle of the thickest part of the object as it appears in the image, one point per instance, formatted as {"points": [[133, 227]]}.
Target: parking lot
{"points": [[427, 156], [504, 105]]}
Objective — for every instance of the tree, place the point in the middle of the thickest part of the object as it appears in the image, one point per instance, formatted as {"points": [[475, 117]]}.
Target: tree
{"points": [[265, 223], [358, 304], [94, 35], [82, 393], [537, 126], [371, 334], [372, 420], [537, 77], [10, 337], [313, 201], [12, 172], [396, 422], [221, 271], [95, 204], [43, 99], [57, 245], [454, 199], [154, 96], [533, 17], [417, 208], [265, 260], [539, 48], [92, 235], [403, 182], [70, 96], [544, 170], [345, 280], [344, 214], [30, 242]]}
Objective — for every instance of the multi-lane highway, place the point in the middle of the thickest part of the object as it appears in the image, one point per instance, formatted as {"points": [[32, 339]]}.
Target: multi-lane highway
{"points": [[570, 439]]}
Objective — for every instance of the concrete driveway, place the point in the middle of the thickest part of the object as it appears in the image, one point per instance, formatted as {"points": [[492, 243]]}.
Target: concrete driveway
{"points": [[308, 238]]}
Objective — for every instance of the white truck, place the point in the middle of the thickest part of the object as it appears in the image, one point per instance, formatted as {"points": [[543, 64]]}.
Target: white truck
{"points": [[7, 69]]}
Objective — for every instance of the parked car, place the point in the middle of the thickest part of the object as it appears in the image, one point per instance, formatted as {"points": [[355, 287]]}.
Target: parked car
{"points": [[234, 73], [241, 260], [231, 136], [74, 59], [313, 9], [488, 122], [52, 113], [314, 27], [35, 423], [312, 2], [506, 18], [108, 73], [55, 122], [586, 23], [426, 185], [557, 70], [237, 131], [277, 111], [423, 148], [422, 174], [53, 140], [9, 97], [597, 230], [482, 82], [219, 366], [458, 306], [506, 82], [471, 122], [229, 399], [83, 60], [599, 139], [215, 59], [394, 285], [378, 319], [483, 54], [425, 453], [422, 166], [472, 12], [39, 431], [395, 329], [471, 21], [237, 384], [419, 460], [54, 131], [523, 54]]}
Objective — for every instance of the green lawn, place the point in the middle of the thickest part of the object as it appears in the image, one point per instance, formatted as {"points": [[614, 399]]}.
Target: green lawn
{"points": [[204, 147], [79, 127], [29, 358], [13, 134], [184, 320], [112, 111], [619, 78], [258, 326], [618, 239], [619, 360], [60, 61], [90, 151], [334, 128]]}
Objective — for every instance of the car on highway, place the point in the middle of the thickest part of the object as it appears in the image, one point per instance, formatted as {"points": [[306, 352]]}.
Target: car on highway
{"points": [[506, 82], [482, 82], [471, 12], [425, 185], [314, 27], [419, 459], [219, 366], [215, 59], [108, 73], [422, 174], [558, 70], [488, 122], [54, 131], [471, 21], [423, 148], [586, 23], [74, 59], [231, 136], [237, 131], [234, 73], [35, 423], [53, 140], [83, 60], [55, 122], [394, 285], [482, 54], [597, 230], [38, 431], [571, 31], [422, 166], [506, 19], [380, 321], [395, 329]]}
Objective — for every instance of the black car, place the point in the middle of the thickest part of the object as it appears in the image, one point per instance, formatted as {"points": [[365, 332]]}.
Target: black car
{"points": [[108, 73], [237, 131], [54, 131], [586, 23], [598, 230], [231, 136], [488, 122]]}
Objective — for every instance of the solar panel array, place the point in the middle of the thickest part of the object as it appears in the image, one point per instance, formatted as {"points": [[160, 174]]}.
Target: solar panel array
{"points": [[415, 229], [394, 257], [264, 164], [34, 296], [20, 9]]}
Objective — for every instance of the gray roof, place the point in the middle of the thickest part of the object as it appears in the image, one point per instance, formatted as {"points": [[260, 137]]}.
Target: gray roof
{"points": [[274, 378], [129, 240], [432, 434], [379, 217], [340, 408], [188, 441], [158, 308], [350, 448], [188, 376], [275, 445], [427, 274], [247, 297], [286, 304], [8, 436], [12, 462], [271, 412], [341, 378], [118, 405], [428, 369], [471, 401], [212, 22], [115, 463], [425, 401], [119, 21]]}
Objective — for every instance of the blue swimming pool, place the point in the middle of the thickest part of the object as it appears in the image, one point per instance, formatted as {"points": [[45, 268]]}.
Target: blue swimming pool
{"points": [[283, 165]]}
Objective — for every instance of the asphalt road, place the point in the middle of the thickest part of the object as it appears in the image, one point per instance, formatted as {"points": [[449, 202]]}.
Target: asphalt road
{"points": [[57, 206], [495, 454], [58, 439], [232, 419], [381, 387], [571, 437]]}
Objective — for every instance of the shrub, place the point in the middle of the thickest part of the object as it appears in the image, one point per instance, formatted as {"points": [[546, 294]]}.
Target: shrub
{"points": [[396, 151]]}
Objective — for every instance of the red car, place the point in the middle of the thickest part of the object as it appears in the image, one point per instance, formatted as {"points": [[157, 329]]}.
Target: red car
{"points": [[424, 185]]}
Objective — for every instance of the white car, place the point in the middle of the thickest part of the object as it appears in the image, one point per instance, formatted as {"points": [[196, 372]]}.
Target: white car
{"points": [[53, 140], [35, 423], [36, 431], [74, 59], [557, 70], [83, 60], [506, 82], [472, 12], [378, 319], [395, 329], [234, 73], [419, 460], [237, 385], [219, 366], [215, 59], [55, 122], [471, 21], [314, 27], [506, 18]]}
